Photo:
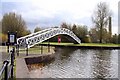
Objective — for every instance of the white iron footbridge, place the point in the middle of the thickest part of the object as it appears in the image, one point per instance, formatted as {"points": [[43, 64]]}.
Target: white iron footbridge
{"points": [[41, 36]]}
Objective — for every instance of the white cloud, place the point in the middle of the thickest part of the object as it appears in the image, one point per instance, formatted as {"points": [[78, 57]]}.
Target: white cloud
{"points": [[56, 11], [115, 30], [77, 8]]}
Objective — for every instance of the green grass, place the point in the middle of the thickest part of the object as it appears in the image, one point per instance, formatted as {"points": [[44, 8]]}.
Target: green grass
{"points": [[85, 44], [35, 50], [97, 44]]}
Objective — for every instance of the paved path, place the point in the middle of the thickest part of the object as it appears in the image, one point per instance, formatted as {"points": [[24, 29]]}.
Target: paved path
{"points": [[21, 66], [21, 69]]}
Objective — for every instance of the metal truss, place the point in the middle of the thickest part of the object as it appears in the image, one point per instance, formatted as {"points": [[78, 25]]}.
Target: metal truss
{"points": [[39, 37]]}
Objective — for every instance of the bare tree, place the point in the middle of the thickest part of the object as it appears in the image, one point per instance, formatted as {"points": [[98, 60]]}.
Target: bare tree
{"points": [[13, 22], [37, 29], [100, 18], [64, 25]]}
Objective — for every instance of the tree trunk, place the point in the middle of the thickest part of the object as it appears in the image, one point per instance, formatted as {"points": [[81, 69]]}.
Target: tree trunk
{"points": [[101, 33]]}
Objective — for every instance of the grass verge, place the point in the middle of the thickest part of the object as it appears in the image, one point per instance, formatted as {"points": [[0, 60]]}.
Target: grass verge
{"points": [[85, 44]]}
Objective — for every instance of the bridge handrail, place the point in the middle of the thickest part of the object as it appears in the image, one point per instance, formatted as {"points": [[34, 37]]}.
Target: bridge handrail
{"points": [[39, 35], [33, 34], [27, 36]]}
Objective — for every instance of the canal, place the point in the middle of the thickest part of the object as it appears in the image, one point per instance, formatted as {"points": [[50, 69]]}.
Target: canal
{"points": [[78, 63]]}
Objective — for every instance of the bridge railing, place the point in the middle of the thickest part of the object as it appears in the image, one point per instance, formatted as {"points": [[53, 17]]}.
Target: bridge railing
{"points": [[6, 72], [38, 37], [23, 39], [49, 34]]}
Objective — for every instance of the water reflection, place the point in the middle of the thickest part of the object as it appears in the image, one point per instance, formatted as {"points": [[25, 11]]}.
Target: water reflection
{"points": [[101, 63], [78, 63]]}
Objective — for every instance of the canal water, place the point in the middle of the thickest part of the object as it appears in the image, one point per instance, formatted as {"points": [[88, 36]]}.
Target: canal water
{"points": [[78, 63]]}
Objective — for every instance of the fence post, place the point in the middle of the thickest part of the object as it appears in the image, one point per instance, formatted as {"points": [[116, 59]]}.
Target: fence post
{"points": [[6, 70], [48, 46], [12, 61], [17, 49], [41, 49], [7, 47], [27, 50]]}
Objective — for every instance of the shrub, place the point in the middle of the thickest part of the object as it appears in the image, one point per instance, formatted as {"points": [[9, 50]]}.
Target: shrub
{"points": [[87, 39], [3, 38]]}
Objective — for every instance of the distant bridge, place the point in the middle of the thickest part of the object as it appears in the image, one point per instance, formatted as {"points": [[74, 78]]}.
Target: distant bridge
{"points": [[41, 36]]}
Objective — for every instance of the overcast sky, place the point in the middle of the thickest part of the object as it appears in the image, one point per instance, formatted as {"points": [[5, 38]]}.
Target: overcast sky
{"points": [[49, 13]]}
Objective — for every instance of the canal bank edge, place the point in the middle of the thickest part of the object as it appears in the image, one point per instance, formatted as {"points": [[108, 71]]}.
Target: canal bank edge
{"points": [[22, 70], [39, 59], [83, 46]]}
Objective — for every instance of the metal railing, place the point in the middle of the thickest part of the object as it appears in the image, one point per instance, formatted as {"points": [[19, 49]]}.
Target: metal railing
{"points": [[39, 37], [7, 70]]}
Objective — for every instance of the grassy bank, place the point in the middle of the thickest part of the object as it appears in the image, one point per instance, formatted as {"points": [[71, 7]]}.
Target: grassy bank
{"points": [[85, 44], [34, 50]]}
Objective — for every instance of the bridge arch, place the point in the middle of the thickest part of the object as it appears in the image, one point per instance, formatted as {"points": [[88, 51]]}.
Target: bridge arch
{"points": [[43, 35]]}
